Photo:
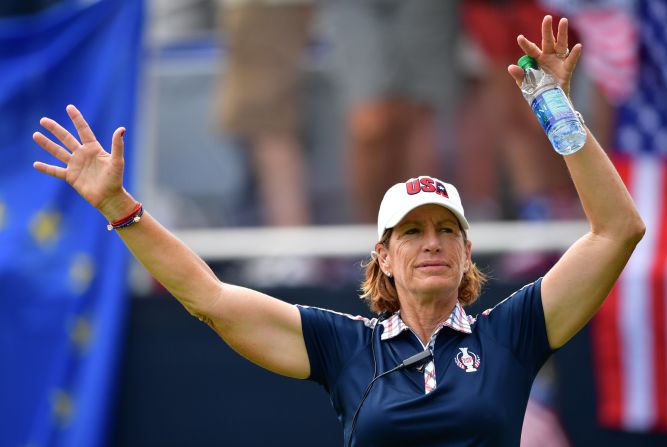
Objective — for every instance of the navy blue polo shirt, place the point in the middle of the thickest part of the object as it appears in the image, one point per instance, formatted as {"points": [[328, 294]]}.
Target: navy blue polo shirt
{"points": [[483, 371]]}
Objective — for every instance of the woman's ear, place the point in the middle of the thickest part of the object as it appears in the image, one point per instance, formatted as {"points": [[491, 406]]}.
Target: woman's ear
{"points": [[383, 256]]}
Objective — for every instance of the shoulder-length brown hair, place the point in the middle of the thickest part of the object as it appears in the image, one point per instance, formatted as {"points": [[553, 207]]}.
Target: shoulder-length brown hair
{"points": [[379, 290]]}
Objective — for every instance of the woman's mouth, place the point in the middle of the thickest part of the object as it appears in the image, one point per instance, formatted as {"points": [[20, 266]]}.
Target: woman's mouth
{"points": [[432, 265]]}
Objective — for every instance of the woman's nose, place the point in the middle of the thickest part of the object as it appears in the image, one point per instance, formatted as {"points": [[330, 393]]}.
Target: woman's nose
{"points": [[431, 242]]}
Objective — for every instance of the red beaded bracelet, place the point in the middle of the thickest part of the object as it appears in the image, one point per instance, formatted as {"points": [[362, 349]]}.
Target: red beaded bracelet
{"points": [[130, 219]]}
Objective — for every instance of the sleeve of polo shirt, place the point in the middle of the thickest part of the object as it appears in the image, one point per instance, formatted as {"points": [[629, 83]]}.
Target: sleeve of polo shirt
{"points": [[331, 339], [518, 323]]}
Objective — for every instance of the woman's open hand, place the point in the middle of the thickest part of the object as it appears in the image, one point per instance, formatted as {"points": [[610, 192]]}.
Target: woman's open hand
{"points": [[554, 56], [94, 173]]}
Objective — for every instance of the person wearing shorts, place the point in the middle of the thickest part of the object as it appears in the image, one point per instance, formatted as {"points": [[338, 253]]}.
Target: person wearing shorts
{"points": [[258, 101], [539, 184], [393, 63]]}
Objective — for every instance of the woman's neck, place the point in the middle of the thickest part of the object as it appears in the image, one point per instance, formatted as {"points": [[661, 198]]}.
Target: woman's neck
{"points": [[424, 315]]}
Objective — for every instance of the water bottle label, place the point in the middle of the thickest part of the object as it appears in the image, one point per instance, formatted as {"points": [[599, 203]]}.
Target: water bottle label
{"points": [[550, 107]]}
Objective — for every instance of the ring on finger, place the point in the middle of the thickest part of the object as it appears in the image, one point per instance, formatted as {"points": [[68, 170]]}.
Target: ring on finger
{"points": [[563, 55]]}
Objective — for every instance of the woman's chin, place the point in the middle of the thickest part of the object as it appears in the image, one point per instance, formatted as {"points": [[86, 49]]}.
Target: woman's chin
{"points": [[436, 284]]}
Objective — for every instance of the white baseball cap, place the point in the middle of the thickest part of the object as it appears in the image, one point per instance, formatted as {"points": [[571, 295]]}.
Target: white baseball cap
{"points": [[402, 198]]}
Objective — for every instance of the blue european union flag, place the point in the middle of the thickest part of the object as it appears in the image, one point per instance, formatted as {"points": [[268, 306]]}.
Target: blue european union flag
{"points": [[62, 275]]}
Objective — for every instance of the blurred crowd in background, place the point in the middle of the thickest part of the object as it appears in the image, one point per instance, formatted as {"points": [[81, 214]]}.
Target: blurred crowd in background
{"points": [[303, 112], [295, 112], [298, 112]]}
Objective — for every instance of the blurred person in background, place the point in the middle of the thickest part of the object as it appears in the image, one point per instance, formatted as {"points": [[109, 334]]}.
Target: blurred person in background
{"points": [[393, 61], [258, 98], [418, 279], [492, 137]]}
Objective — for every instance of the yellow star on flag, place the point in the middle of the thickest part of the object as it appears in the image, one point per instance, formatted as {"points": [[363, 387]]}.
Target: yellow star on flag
{"points": [[45, 227], [62, 406], [81, 333], [81, 273]]}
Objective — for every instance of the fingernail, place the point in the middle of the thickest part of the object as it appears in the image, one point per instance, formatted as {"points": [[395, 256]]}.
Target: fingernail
{"points": [[122, 133]]}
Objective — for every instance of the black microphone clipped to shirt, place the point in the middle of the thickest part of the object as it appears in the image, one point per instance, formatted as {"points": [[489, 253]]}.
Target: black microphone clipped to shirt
{"points": [[418, 361]]}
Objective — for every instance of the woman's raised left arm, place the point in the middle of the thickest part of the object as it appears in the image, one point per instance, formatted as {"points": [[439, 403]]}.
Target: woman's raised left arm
{"points": [[576, 286]]}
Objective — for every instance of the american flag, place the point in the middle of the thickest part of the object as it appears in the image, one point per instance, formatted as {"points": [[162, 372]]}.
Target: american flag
{"points": [[609, 31], [629, 333]]}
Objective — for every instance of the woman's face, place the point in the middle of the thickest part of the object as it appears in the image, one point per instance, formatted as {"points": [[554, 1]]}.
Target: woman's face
{"points": [[427, 254]]}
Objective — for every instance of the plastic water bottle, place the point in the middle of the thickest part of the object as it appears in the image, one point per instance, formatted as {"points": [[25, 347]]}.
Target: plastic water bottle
{"points": [[552, 108]]}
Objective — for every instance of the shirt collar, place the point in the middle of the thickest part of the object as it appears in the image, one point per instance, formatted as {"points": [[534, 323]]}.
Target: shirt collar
{"points": [[457, 320]]}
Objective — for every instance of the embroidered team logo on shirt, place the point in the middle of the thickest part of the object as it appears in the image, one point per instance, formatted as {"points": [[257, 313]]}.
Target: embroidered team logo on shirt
{"points": [[467, 360]]}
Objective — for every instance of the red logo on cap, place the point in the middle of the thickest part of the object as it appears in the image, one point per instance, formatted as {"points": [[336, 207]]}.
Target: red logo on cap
{"points": [[425, 184]]}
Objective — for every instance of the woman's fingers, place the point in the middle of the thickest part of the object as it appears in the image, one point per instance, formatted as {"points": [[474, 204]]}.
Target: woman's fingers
{"points": [[52, 148], [528, 47], [517, 74], [85, 132], [552, 55], [548, 39], [117, 144], [561, 44], [51, 170], [573, 58], [61, 133]]}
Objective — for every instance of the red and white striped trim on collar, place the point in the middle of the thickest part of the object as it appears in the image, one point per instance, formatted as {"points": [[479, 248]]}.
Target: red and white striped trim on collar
{"points": [[457, 320]]}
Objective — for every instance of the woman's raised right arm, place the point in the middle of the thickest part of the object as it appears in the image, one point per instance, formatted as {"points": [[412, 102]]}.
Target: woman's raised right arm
{"points": [[263, 329]]}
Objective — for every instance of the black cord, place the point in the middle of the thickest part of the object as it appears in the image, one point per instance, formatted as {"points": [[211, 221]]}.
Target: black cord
{"points": [[363, 398], [417, 359], [382, 317]]}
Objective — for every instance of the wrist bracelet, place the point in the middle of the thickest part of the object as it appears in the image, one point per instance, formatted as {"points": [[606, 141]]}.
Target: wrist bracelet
{"points": [[130, 219]]}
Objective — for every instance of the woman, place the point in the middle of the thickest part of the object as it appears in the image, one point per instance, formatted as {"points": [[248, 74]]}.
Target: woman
{"points": [[469, 382]]}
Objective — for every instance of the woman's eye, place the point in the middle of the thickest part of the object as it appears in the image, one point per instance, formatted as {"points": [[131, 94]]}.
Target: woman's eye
{"points": [[446, 230], [411, 231]]}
